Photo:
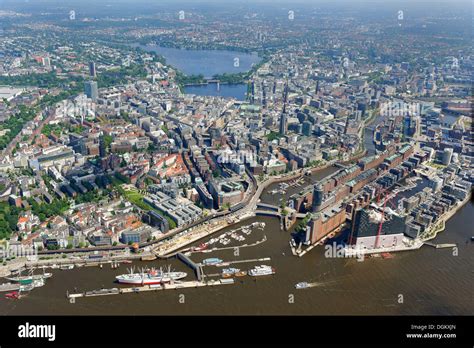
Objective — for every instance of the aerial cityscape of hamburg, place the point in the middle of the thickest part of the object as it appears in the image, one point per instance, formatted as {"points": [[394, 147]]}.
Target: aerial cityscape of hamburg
{"points": [[226, 158]]}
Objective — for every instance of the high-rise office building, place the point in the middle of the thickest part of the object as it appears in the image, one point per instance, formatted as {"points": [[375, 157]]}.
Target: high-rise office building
{"points": [[92, 71], [91, 90], [283, 123], [447, 156], [284, 115], [307, 128]]}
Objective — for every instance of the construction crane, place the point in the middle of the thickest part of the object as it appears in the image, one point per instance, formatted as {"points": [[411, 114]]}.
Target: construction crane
{"points": [[388, 196]]}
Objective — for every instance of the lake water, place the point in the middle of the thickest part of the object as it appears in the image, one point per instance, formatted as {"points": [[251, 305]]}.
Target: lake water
{"points": [[209, 63], [205, 62]]}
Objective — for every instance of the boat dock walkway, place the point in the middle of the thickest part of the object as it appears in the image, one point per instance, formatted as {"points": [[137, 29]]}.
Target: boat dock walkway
{"points": [[194, 266], [169, 286], [227, 248], [226, 263]]}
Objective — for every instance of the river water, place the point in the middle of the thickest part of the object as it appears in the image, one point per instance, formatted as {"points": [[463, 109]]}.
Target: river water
{"points": [[424, 281]]}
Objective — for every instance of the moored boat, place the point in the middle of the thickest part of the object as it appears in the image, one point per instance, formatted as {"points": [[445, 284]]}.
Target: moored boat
{"points": [[211, 261], [262, 270], [9, 287], [38, 283], [27, 287], [148, 258], [201, 247], [229, 272], [25, 281], [30, 277], [15, 295], [152, 276], [241, 274]]}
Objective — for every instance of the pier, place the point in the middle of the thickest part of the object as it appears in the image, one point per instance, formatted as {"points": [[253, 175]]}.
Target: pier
{"points": [[195, 267], [440, 246], [177, 250], [169, 286], [189, 251]]}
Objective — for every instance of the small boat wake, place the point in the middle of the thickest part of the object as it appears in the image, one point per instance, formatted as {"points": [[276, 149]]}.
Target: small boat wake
{"points": [[304, 285]]}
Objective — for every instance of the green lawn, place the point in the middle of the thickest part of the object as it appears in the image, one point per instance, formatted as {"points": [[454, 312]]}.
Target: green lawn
{"points": [[436, 165], [136, 198]]}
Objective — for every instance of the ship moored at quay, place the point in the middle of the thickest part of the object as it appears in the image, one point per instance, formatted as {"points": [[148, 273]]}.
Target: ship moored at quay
{"points": [[153, 276]]}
